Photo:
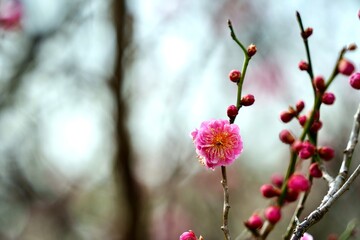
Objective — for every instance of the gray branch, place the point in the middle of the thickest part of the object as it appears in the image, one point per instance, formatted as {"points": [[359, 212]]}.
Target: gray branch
{"points": [[336, 187]]}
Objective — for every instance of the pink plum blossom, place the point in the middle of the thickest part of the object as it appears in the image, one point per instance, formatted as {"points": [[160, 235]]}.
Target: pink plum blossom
{"points": [[217, 142], [10, 14]]}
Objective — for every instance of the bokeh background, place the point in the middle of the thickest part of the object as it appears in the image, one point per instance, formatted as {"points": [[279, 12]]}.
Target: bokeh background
{"points": [[98, 98]]}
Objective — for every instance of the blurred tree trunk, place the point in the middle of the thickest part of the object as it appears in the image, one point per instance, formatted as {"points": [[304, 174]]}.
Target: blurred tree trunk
{"points": [[133, 223]]}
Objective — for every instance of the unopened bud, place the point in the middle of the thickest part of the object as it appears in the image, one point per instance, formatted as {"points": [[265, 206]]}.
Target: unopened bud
{"points": [[277, 179], [247, 100], [286, 137], [254, 222], [302, 120], [326, 153], [189, 235], [298, 182], [232, 111], [316, 126], [234, 75], [291, 195], [299, 106], [303, 66], [307, 32], [315, 171], [346, 67], [268, 191], [286, 116], [297, 146], [273, 214], [319, 83], [328, 98], [355, 80], [307, 150], [352, 47], [251, 50]]}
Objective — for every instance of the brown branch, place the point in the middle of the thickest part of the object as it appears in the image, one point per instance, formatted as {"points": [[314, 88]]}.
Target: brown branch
{"points": [[226, 208], [338, 186], [127, 186]]}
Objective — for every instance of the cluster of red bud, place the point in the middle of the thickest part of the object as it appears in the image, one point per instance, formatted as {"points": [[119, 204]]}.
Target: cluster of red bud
{"points": [[345, 67], [235, 76], [305, 149], [297, 183], [255, 221]]}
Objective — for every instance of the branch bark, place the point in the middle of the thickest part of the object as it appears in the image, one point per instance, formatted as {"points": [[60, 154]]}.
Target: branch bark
{"points": [[226, 208], [128, 188], [336, 187]]}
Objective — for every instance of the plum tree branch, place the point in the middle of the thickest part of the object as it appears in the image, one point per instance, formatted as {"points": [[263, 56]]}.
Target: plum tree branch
{"points": [[338, 186]]}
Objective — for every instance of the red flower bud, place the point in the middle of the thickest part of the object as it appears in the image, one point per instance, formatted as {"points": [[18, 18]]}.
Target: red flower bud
{"points": [[307, 33], [315, 170], [302, 120], [305, 153], [297, 146], [251, 50], [286, 137], [326, 153], [189, 235], [277, 179], [247, 100], [319, 83], [352, 47], [286, 116], [346, 67], [298, 182], [235, 75], [268, 191], [291, 195], [328, 98], [355, 80], [299, 106], [307, 150], [303, 66], [254, 222], [273, 214], [316, 126], [232, 111]]}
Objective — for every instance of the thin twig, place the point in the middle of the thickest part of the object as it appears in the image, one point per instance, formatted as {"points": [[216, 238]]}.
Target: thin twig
{"points": [[325, 174], [244, 67], [225, 227], [338, 186], [317, 215], [348, 152], [316, 108], [307, 48]]}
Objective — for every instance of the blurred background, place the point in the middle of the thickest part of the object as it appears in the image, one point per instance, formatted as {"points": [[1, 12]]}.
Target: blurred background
{"points": [[98, 99]]}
